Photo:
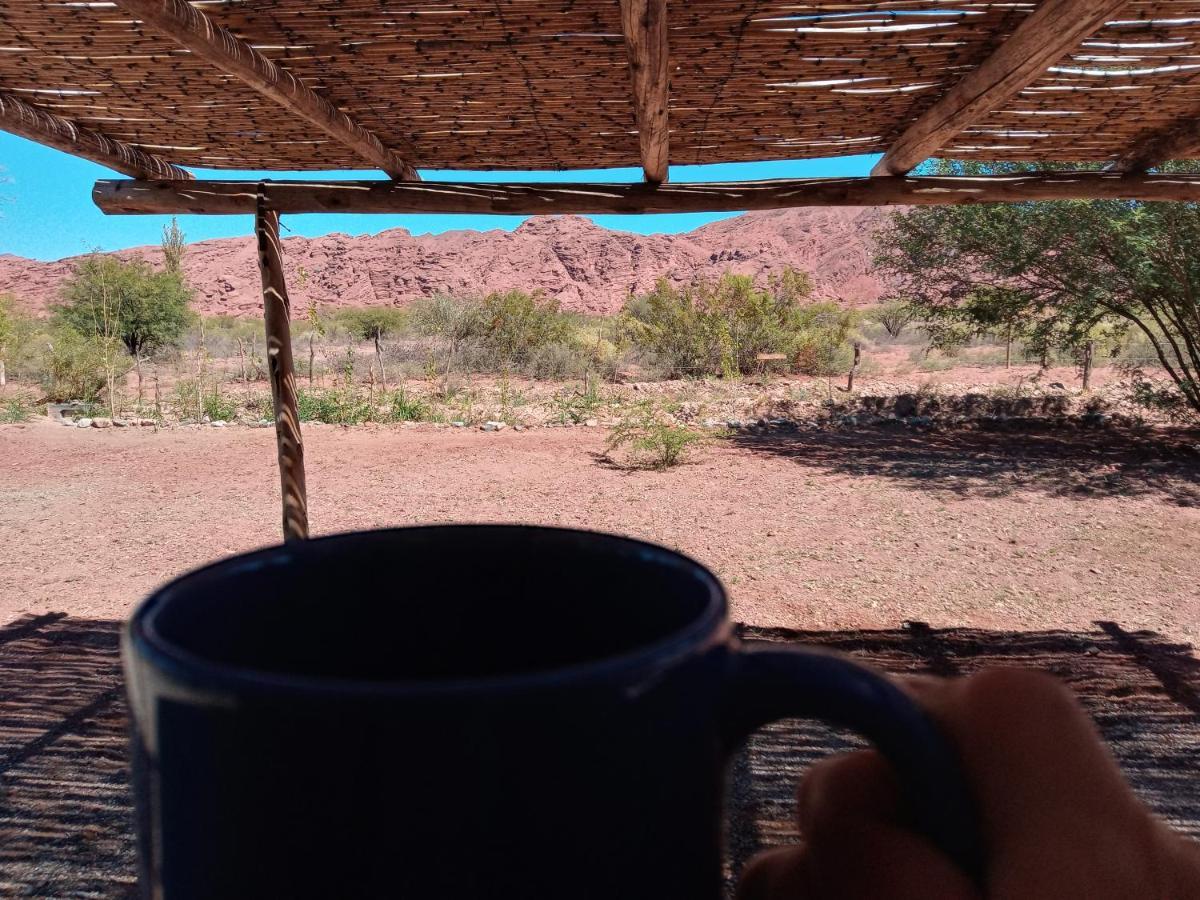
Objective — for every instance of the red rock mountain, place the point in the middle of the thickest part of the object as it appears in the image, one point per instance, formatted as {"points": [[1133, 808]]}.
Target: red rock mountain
{"points": [[586, 267]]}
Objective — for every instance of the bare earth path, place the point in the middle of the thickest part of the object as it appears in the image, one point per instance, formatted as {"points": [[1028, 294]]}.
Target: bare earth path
{"points": [[809, 530]]}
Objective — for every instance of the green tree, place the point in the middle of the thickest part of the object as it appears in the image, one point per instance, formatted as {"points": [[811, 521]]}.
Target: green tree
{"points": [[373, 323], [127, 302], [1063, 269], [894, 316]]}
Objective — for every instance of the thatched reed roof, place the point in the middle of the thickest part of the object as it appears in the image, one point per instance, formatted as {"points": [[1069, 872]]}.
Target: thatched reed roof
{"points": [[546, 84]]}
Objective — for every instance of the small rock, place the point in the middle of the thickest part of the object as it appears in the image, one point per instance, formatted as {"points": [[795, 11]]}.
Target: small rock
{"points": [[1094, 571], [492, 426], [733, 423], [101, 423], [458, 423], [591, 423], [1058, 385], [219, 423], [713, 423], [85, 422], [120, 423], [518, 428]]}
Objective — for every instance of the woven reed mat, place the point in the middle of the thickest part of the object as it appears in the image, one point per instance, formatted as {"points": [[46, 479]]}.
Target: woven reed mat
{"points": [[64, 801]]}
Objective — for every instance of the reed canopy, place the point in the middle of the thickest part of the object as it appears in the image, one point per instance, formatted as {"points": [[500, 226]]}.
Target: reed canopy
{"points": [[153, 88]]}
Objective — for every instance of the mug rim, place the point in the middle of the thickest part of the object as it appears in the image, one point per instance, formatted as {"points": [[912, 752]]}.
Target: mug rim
{"points": [[710, 626]]}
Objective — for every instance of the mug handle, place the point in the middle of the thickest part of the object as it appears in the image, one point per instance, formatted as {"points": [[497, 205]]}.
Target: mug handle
{"points": [[770, 683]]}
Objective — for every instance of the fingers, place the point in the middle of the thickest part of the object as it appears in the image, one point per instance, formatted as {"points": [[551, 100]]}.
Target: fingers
{"points": [[1031, 752], [1057, 817], [855, 860], [848, 808], [858, 785]]}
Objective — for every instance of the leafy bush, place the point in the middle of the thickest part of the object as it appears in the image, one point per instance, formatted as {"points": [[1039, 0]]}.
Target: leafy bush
{"points": [[335, 406], [74, 365], [13, 411], [403, 408], [650, 439], [510, 331], [721, 327], [219, 407]]}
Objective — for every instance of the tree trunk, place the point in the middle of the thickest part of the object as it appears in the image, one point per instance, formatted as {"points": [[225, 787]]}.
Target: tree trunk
{"points": [[137, 365], [157, 399], [311, 354], [3, 374], [1045, 362], [379, 358], [1088, 350], [1008, 348], [853, 367]]}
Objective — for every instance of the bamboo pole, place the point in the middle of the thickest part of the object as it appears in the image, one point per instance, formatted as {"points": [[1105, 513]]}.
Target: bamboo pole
{"points": [[276, 313], [292, 197]]}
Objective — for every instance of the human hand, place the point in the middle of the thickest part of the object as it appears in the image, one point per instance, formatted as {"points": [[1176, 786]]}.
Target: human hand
{"points": [[1058, 820]]}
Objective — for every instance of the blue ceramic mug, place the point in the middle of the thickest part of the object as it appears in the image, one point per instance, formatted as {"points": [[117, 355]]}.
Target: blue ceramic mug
{"points": [[471, 711]]}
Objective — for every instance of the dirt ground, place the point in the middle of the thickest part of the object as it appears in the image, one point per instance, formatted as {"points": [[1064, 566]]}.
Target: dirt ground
{"points": [[807, 529]]}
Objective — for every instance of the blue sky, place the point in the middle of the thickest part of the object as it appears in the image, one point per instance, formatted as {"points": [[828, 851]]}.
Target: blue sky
{"points": [[46, 209]]}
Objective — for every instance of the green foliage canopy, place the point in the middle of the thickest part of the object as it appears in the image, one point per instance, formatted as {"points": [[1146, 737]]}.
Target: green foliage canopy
{"points": [[110, 297], [720, 327], [1062, 270]]}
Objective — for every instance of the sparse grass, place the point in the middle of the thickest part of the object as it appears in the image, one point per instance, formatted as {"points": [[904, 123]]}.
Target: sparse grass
{"points": [[649, 439], [572, 407]]}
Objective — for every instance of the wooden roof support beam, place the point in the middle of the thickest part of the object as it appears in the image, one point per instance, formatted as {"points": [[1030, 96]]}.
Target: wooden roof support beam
{"points": [[1180, 140], [645, 25], [291, 197], [209, 41], [1050, 32], [45, 127]]}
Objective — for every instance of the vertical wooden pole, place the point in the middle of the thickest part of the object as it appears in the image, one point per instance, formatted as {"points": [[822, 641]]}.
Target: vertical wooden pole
{"points": [[853, 367], [276, 313]]}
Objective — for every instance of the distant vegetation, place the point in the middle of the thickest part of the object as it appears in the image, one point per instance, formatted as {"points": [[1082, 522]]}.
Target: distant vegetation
{"points": [[123, 335]]}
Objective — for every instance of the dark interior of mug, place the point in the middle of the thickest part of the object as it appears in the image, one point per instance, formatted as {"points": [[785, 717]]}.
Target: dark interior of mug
{"points": [[433, 603]]}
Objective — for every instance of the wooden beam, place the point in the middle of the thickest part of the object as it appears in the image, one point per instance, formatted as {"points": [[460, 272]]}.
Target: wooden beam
{"points": [[1050, 32], [1180, 140], [19, 118], [282, 372], [645, 25], [241, 197], [209, 41]]}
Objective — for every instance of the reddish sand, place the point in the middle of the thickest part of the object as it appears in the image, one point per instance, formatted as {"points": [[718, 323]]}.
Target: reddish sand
{"points": [[814, 530]]}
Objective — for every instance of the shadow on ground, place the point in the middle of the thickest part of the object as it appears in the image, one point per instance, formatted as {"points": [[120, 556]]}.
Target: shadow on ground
{"points": [[64, 801], [1078, 463]]}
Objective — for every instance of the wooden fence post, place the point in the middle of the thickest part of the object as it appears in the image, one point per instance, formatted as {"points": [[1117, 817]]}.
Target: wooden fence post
{"points": [[853, 367], [280, 369]]}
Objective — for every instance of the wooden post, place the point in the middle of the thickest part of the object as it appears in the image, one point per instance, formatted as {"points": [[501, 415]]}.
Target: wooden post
{"points": [[853, 367], [276, 312]]}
